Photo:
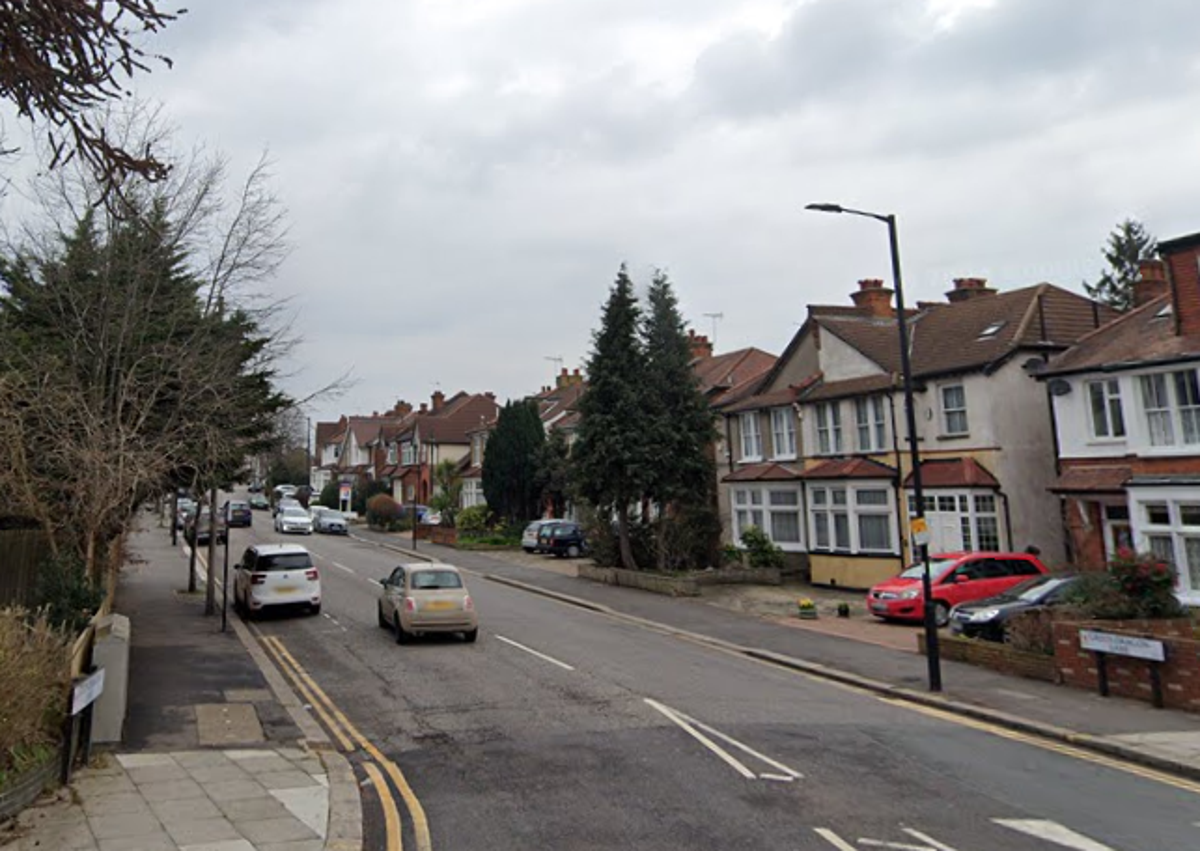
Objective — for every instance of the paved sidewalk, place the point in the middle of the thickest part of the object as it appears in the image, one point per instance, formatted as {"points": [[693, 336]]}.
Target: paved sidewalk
{"points": [[1161, 738], [218, 754]]}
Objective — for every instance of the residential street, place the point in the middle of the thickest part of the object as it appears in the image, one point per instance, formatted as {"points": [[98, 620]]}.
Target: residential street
{"points": [[568, 728]]}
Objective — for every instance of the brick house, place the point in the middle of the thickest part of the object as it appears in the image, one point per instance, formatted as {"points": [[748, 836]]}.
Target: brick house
{"points": [[818, 448], [1127, 406]]}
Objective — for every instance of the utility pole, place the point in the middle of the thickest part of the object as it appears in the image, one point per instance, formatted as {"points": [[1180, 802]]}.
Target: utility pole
{"points": [[210, 588], [308, 454]]}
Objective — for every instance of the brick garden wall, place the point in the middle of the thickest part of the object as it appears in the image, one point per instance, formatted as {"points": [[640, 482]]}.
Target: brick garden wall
{"points": [[1131, 677], [994, 655]]}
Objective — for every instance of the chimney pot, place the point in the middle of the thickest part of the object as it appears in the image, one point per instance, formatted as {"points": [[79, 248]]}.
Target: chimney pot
{"points": [[969, 288], [873, 298]]}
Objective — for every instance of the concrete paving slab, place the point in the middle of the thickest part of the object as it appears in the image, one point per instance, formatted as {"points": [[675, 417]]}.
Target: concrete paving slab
{"points": [[200, 759], [275, 830], [310, 805], [198, 831], [118, 804], [193, 808], [93, 787], [253, 809], [237, 789], [159, 842], [124, 825], [227, 773], [298, 845], [248, 695], [227, 724], [227, 845], [264, 762], [169, 790], [157, 773], [144, 760], [286, 780]]}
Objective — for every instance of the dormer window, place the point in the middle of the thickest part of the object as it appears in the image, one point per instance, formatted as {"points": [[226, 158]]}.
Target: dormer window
{"points": [[991, 331]]}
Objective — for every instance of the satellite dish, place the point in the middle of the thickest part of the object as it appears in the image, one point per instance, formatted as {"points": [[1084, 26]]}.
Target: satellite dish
{"points": [[1033, 366], [1059, 386]]}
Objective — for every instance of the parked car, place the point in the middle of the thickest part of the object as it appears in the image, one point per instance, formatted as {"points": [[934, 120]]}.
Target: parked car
{"points": [[563, 538], [255, 487], [529, 538], [329, 521], [276, 576], [200, 528], [986, 618], [420, 598], [237, 513], [258, 502], [956, 578], [286, 502], [293, 519]]}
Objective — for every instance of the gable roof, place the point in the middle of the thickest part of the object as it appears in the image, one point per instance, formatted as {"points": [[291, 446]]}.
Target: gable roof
{"points": [[953, 473], [1139, 337], [740, 369], [457, 418], [326, 433]]}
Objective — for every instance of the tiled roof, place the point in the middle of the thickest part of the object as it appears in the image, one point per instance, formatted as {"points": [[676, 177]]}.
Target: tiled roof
{"points": [[325, 433], [1098, 479], [1139, 336], [849, 468], [850, 387], [719, 374], [764, 400], [769, 472], [953, 473], [461, 415], [947, 338]]}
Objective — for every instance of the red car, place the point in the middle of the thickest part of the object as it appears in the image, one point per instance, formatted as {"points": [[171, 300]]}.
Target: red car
{"points": [[956, 578]]}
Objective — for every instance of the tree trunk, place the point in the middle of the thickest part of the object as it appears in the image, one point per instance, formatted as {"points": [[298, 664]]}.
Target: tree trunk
{"points": [[210, 587], [627, 560]]}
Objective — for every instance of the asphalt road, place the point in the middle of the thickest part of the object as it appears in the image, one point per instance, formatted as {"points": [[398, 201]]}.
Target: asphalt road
{"points": [[568, 729]]}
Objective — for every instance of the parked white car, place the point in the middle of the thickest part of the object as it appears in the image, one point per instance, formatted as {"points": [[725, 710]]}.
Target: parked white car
{"points": [[276, 576], [329, 521], [293, 519], [529, 538]]}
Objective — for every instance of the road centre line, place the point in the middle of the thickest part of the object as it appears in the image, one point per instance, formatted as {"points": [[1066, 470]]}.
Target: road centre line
{"points": [[391, 817], [533, 652], [341, 566], [686, 721], [416, 811], [1046, 744]]}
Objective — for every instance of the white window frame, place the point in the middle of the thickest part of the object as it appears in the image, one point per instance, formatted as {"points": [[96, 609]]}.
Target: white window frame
{"points": [[870, 420], [1170, 419], [472, 493], [1111, 409], [1169, 539], [948, 411], [751, 434], [829, 428], [758, 505], [783, 434], [972, 520], [835, 513], [391, 453], [476, 451], [408, 454]]}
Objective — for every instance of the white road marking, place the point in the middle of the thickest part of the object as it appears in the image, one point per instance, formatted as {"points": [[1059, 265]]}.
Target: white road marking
{"points": [[533, 652], [703, 739], [833, 839], [781, 778], [1052, 832], [937, 846], [340, 566], [895, 846], [789, 772]]}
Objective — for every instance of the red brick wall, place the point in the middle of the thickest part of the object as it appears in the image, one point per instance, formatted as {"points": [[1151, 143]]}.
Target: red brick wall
{"points": [[1131, 677], [994, 655], [1185, 281]]}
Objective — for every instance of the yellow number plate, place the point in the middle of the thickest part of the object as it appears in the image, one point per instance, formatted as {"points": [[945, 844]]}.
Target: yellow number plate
{"points": [[439, 605], [285, 589]]}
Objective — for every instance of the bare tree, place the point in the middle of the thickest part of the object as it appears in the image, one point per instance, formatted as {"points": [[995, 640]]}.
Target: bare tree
{"points": [[62, 59]]}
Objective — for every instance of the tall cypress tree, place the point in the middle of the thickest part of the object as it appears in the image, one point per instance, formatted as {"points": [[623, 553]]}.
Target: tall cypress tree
{"points": [[510, 465], [1128, 245], [680, 428], [612, 454]]}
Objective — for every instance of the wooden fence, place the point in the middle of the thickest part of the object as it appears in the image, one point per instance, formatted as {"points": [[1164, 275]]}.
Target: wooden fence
{"points": [[21, 550]]}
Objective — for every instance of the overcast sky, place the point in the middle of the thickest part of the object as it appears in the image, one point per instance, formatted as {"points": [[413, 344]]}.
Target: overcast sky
{"points": [[463, 177]]}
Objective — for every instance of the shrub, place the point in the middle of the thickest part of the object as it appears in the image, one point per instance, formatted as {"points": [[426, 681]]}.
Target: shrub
{"points": [[34, 675], [362, 494], [1031, 631], [1134, 586], [383, 512], [730, 554], [691, 539], [474, 519], [65, 595], [761, 551], [330, 495]]}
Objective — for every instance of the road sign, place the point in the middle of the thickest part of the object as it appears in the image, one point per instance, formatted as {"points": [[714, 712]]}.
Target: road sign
{"points": [[86, 690], [1122, 645], [920, 531]]}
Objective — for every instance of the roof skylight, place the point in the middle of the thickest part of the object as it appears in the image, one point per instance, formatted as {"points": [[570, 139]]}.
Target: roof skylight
{"points": [[991, 331]]}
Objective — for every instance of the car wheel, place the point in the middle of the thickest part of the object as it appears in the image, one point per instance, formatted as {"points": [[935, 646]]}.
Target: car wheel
{"points": [[471, 635], [402, 637], [315, 610], [527, 549], [941, 613], [572, 551], [383, 624]]}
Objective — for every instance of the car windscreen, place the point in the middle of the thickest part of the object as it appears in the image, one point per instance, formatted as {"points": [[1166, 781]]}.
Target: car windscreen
{"points": [[298, 513], [432, 579], [238, 506], [283, 561], [1038, 589], [936, 569]]}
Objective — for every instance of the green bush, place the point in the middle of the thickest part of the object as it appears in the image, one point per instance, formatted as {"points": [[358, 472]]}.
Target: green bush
{"points": [[474, 519], [1031, 631], [330, 495], [690, 537], [383, 512], [66, 595], [34, 676], [1134, 586], [362, 494], [761, 551]]}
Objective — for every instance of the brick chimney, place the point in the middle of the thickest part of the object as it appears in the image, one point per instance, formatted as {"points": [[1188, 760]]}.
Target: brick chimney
{"points": [[873, 297], [562, 379], [577, 377], [1151, 282], [969, 288], [437, 399], [401, 408], [424, 409], [1181, 256], [701, 347]]}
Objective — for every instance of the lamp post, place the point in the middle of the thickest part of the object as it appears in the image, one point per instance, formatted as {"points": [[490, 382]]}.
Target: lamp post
{"points": [[918, 525]]}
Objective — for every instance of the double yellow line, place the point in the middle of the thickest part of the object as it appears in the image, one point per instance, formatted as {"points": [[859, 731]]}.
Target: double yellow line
{"points": [[349, 739]]}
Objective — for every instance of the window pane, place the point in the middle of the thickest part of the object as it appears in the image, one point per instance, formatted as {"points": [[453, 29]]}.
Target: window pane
{"points": [[953, 397], [871, 497], [964, 523], [821, 528], [1116, 512], [1157, 514], [1162, 548], [1191, 549], [946, 503], [956, 422], [755, 497], [1189, 514], [740, 498], [819, 496], [1099, 409], [988, 533], [841, 531], [839, 496], [1158, 414], [985, 504], [785, 527], [784, 498], [1115, 414], [874, 532]]}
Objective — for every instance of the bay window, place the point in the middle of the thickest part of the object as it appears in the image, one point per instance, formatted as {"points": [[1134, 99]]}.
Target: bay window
{"points": [[852, 518], [1167, 524], [774, 508]]}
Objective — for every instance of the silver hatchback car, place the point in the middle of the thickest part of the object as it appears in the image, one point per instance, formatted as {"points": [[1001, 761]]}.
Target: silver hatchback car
{"points": [[419, 598]]}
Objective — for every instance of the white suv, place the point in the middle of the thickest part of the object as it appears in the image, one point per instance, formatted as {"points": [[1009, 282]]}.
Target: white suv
{"points": [[276, 575]]}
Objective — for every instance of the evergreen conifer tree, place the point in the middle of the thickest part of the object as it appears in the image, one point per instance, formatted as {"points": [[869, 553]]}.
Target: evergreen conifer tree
{"points": [[510, 465], [1128, 245]]}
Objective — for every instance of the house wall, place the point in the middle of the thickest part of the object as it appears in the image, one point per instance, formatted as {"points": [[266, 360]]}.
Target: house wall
{"points": [[803, 363], [857, 572], [840, 361], [1019, 417]]}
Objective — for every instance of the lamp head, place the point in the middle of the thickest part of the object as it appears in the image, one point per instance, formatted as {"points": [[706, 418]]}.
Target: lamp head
{"points": [[825, 208]]}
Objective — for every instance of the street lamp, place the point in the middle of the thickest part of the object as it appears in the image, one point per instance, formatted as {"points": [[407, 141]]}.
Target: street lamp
{"points": [[918, 525]]}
